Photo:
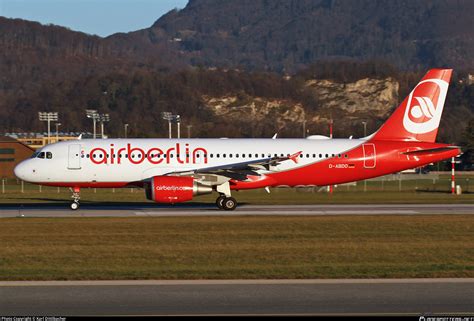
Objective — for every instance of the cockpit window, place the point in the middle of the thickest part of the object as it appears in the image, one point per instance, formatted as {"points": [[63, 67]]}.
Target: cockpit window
{"points": [[34, 155], [49, 155], [41, 155]]}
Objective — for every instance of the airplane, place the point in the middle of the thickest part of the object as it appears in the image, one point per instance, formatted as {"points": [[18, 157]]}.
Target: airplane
{"points": [[175, 170]]}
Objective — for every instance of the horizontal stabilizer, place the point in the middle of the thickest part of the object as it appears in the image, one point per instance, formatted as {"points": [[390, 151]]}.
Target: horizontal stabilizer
{"points": [[431, 150]]}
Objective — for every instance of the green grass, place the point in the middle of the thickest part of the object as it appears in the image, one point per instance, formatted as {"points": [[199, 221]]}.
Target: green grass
{"points": [[237, 247]]}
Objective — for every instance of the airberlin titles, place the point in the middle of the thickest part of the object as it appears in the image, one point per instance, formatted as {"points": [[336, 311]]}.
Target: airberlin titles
{"points": [[154, 155]]}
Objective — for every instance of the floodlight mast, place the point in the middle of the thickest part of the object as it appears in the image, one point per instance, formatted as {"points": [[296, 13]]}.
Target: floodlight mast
{"points": [[103, 118], [166, 115], [48, 117], [94, 115]]}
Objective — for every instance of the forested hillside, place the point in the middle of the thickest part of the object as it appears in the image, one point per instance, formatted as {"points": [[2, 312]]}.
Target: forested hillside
{"points": [[242, 68], [286, 35]]}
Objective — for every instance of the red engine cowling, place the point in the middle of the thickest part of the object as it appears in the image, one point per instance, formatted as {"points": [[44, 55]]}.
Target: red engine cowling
{"points": [[174, 189]]}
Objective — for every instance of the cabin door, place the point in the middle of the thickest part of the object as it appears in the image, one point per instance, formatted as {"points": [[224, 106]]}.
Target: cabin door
{"points": [[370, 157], [74, 158]]}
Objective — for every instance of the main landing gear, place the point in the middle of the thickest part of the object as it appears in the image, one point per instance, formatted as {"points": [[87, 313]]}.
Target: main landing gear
{"points": [[76, 196], [225, 201]]}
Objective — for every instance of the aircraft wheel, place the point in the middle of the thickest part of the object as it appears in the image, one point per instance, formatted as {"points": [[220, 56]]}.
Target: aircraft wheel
{"points": [[229, 204], [220, 201], [74, 206]]}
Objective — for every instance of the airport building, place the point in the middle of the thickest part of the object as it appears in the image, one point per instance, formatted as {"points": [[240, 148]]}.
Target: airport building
{"points": [[12, 152]]}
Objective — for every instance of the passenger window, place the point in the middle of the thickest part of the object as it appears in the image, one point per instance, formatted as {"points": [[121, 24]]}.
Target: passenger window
{"points": [[327, 155]]}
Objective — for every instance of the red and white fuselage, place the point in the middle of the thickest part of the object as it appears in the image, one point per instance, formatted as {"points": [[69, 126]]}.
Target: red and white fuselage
{"points": [[123, 162]]}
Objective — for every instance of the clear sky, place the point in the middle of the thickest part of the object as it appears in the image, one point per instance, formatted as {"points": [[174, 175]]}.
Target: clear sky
{"points": [[100, 17]]}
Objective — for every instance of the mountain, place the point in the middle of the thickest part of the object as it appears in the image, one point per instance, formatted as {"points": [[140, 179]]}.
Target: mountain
{"points": [[241, 68], [287, 35]]}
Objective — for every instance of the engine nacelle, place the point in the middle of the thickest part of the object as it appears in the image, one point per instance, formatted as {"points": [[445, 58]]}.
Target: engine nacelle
{"points": [[174, 189]]}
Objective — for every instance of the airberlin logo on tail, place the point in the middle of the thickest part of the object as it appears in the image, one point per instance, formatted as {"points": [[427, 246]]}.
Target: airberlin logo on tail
{"points": [[425, 106]]}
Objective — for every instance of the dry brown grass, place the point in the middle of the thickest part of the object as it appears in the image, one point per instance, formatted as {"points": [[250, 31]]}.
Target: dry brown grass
{"points": [[237, 247]]}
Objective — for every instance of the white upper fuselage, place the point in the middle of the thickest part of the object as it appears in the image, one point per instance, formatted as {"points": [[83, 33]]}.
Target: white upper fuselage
{"points": [[132, 160]]}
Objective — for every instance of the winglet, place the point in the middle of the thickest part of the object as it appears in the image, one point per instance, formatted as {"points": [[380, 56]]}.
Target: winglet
{"points": [[295, 156], [275, 136]]}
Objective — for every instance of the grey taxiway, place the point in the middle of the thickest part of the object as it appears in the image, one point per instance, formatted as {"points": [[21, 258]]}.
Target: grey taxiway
{"points": [[140, 209], [240, 297]]}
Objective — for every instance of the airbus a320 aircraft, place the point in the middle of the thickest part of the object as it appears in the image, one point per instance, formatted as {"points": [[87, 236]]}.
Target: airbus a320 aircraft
{"points": [[174, 171]]}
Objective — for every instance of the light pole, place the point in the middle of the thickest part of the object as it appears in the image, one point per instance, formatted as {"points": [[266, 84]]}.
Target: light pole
{"points": [[167, 116], [94, 115], [57, 131], [177, 119], [125, 129], [48, 117], [189, 130], [304, 128], [103, 118]]}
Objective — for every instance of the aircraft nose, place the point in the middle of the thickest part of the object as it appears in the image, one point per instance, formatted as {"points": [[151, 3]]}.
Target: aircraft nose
{"points": [[21, 171]]}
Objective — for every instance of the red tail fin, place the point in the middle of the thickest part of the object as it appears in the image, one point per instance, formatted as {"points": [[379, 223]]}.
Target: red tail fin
{"points": [[418, 116]]}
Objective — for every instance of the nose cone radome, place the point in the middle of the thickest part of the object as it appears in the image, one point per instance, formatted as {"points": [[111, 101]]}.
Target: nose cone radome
{"points": [[21, 171]]}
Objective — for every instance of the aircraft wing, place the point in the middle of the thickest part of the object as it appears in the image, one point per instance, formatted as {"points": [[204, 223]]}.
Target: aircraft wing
{"points": [[240, 171]]}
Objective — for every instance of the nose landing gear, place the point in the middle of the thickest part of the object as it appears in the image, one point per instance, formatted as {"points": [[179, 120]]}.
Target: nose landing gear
{"points": [[76, 196]]}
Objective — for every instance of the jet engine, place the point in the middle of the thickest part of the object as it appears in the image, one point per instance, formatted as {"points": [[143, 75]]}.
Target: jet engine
{"points": [[174, 189]]}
